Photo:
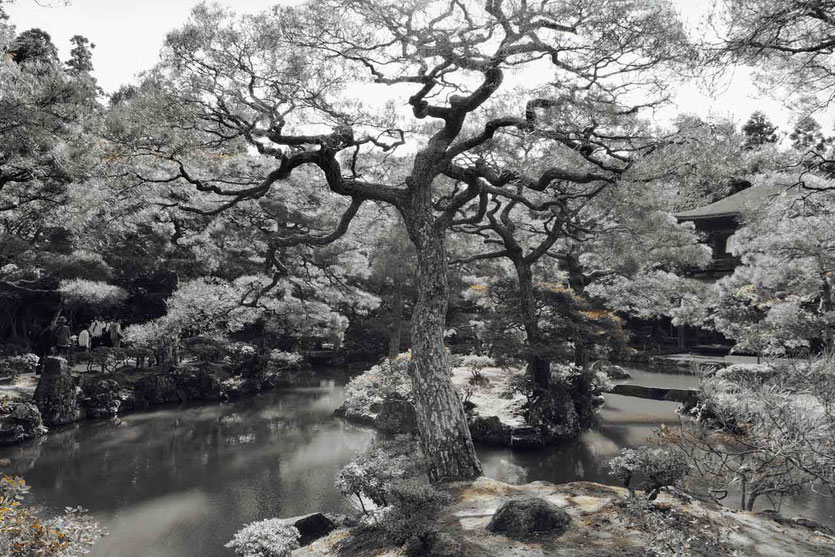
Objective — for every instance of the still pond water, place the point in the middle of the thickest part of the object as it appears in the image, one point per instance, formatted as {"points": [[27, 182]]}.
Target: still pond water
{"points": [[180, 481]]}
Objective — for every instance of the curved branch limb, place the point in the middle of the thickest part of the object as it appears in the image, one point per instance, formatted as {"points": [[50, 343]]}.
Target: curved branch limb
{"points": [[313, 240]]}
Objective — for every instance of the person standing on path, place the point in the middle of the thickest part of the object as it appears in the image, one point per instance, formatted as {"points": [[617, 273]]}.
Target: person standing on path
{"points": [[84, 340], [62, 337], [114, 328], [96, 331]]}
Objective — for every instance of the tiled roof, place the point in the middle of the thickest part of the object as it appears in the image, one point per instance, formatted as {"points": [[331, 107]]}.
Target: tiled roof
{"points": [[734, 204]]}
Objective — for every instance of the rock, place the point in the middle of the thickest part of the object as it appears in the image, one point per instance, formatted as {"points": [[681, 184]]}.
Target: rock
{"points": [[490, 431], [55, 395], [101, 399], [355, 416], [526, 437], [312, 527], [397, 415], [19, 422], [523, 518], [617, 372]]}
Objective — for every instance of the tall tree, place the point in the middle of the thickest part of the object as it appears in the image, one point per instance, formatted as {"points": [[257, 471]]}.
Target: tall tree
{"points": [[81, 55], [279, 83], [34, 46], [807, 135], [758, 131]]}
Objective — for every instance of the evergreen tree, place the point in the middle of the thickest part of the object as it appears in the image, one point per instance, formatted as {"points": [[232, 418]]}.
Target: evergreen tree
{"points": [[34, 46], [807, 136], [758, 131], [81, 56]]}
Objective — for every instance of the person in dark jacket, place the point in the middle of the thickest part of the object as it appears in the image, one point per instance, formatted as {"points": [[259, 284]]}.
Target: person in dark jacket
{"points": [[63, 337], [44, 347]]}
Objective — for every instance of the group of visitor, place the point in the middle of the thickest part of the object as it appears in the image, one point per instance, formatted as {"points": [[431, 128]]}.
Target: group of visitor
{"points": [[100, 333], [59, 339]]}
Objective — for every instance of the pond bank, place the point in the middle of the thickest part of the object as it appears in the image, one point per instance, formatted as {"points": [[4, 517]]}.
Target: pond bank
{"points": [[62, 395], [600, 524]]}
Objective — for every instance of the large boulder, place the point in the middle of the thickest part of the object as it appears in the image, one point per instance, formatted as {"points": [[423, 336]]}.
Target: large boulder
{"points": [[101, 398], [56, 396], [397, 415], [311, 527], [524, 518], [19, 422]]}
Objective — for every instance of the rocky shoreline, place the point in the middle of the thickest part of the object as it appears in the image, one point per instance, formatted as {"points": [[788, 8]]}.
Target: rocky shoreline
{"points": [[62, 397], [588, 519]]}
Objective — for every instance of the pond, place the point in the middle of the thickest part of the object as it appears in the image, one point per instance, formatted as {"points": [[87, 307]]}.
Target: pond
{"points": [[181, 481]]}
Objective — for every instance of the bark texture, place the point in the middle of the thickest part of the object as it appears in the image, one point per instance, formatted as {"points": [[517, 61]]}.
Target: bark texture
{"points": [[539, 366], [396, 316], [442, 423]]}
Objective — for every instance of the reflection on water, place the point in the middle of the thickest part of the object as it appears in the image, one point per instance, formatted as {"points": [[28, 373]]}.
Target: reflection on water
{"points": [[623, 422], [180, 481]]}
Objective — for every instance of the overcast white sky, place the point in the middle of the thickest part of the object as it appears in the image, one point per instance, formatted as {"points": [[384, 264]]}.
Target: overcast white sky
{"points": [[128, 35]]}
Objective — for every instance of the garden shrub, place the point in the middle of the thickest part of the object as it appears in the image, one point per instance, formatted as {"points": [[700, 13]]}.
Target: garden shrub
{"points": [[372, 386], [13, 348], [782, 413], [205, 349], [105, 358], [371, 471], [414, 506], [24, 531], [280, 363], [17, 365], [655, 467], [266, 538], [475, 364]]}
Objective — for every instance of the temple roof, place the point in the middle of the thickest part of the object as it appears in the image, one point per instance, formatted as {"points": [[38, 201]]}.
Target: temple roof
{"points": [[733, 205]]}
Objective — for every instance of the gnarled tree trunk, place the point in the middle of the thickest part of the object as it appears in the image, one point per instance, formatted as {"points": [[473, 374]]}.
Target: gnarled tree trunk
{"points": [[577, 283], [396, 319], [539, 366], [442, 423]]}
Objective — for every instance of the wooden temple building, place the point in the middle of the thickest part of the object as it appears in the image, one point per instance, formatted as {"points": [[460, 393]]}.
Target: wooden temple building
{"points": [[718, 222]]}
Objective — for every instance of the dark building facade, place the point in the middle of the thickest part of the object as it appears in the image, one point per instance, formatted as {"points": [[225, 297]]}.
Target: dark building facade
{"points": [[718, 222]]}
